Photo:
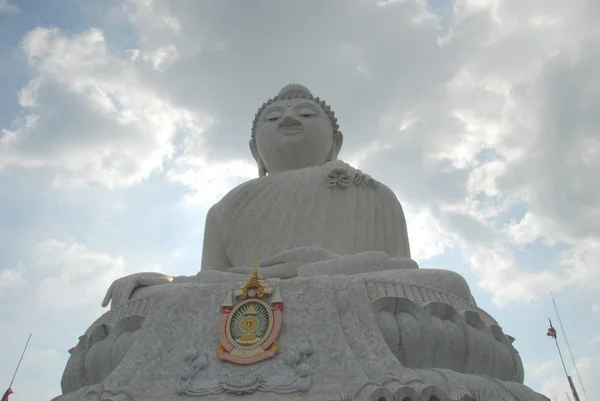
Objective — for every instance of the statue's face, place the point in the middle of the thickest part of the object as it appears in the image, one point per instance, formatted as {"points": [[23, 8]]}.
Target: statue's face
{"points": [[292, 134]]}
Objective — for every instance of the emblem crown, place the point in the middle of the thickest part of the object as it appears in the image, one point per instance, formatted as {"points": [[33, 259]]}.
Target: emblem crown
{"points": [[250, 321]]}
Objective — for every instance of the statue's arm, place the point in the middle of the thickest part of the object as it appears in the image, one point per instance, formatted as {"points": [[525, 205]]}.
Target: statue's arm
{"points": [[396, 232], [214, 256]]}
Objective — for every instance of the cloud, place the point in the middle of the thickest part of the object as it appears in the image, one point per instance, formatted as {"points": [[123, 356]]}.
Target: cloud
{"points": [[89, 115], [11, 277], [540, 369], [508, 282], [210, 181], [557, 384], [8, 9], [66, 275], [73, 275], [427, 236], [66, 282]]}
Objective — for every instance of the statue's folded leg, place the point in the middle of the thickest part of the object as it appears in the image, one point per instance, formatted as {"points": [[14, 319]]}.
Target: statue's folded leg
{"points": [[204, 277]]}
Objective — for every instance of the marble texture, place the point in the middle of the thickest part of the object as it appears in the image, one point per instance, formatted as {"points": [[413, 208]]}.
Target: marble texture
{"points": [[361, 320], [354, 335]]}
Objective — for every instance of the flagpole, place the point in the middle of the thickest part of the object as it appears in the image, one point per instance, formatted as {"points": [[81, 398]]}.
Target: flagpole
{"points": [[552, 333], [564, 333], [561, 357], [20, 360]]}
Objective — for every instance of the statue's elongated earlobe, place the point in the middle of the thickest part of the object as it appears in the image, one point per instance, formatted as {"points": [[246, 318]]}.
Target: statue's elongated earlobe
{"points": [[262, 169], [338, 140]]}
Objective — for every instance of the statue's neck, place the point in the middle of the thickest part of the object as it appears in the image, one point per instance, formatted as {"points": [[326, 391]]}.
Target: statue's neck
{"points": [[310, 166]]}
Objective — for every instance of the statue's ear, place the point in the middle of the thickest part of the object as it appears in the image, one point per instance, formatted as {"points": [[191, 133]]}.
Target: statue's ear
{"points": [[338, 141], [262, 170]]}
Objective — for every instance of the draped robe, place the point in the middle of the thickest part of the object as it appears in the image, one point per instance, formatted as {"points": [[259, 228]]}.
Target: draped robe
{"points": [[334, 206]]}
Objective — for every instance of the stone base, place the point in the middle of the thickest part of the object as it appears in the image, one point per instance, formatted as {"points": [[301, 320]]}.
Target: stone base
{"points": [[331, 347]]}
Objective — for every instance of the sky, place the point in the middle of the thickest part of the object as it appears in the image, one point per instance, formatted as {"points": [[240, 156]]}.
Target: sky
{"points": [[122, 122]]}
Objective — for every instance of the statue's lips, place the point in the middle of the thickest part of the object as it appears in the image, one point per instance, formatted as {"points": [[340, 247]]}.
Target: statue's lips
{"points": [[290, 131]]}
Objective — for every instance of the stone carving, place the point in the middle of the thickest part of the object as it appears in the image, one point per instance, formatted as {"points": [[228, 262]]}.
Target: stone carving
{"points": [[248, 382], [378, 327], [97, 392], [98, 354], [435, 335], [249, 325], [344, 176]]}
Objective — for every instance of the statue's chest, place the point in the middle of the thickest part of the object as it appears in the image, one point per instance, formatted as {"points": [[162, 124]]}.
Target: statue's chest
{"points": [[274, 218]]}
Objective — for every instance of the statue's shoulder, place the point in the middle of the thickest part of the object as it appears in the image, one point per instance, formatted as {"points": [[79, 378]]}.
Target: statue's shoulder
{"points": [[238, 193]]}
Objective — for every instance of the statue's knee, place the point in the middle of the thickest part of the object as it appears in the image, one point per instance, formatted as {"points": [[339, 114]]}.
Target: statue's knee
{"points": [[449, 281], [458, 286]]}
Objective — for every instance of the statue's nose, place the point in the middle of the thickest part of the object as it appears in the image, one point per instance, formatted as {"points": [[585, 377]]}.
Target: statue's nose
{"points": [[289, 121]]}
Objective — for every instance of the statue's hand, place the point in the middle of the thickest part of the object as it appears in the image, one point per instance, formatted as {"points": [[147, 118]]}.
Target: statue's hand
{"points": [[121, 289], [302, 255], [285, 264]]}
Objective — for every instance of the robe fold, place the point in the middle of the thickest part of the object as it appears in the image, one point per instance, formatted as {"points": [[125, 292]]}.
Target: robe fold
{"points": [[335, 207]]}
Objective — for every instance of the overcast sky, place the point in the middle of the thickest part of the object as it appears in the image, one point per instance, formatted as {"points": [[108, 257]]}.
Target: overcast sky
{"points": [[121, 122]]}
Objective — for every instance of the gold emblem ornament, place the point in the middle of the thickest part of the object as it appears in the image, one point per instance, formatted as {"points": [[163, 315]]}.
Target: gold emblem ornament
{"points": [[250, 322]]}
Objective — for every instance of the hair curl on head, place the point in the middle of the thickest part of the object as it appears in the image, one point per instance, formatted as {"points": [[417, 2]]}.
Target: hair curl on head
{"points": [[296, 91]]}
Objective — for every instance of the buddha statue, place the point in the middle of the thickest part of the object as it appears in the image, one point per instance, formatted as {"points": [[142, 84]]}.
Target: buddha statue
{"points": [[308, 213], [361, 318]]}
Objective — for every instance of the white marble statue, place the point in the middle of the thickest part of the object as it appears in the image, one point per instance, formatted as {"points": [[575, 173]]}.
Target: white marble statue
{"points": [[308, 213], [360, 319]]}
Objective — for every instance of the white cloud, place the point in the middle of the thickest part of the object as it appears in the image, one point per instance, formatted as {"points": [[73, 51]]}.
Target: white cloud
{"points": [[426, 235], [162, 57], [11, 277], [89, 115], [210, 181], [557, 384], [540, 369], [68, 275], [73, 275], [506, 281], [8, 9]]}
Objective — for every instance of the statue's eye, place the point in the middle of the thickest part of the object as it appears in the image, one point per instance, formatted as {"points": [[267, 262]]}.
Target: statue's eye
{"points": [[306, 112], [272, 118]]}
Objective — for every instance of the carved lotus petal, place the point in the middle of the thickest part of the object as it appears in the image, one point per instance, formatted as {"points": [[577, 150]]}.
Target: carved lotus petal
{"points": [[303, 369], [191, 354], [292, 357], [182, 387], [305, 348], [241, 383], [201, 362], [303, 384]]}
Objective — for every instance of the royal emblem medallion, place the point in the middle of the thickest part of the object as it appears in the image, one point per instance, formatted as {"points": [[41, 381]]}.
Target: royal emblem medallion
{"points": [[250, 322]]}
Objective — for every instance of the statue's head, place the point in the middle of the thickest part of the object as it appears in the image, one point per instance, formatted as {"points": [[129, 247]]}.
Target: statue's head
{"points": [[294, 130]]}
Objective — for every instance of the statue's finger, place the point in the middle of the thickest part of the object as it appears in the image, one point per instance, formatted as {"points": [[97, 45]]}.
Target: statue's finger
{"points": [[108, 295], [148, 281], [283, 271], [276, 259], [116, 294], [242, 270], [126, 291]]}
